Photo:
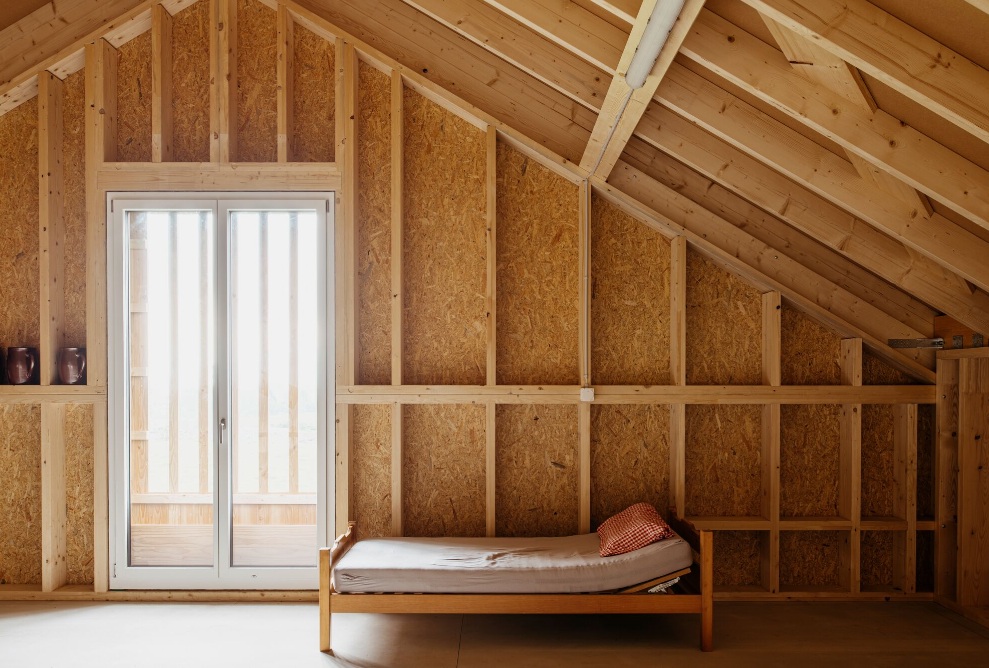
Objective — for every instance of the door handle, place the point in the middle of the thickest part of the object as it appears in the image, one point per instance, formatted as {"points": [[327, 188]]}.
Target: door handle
{"points": [[223, 428]]}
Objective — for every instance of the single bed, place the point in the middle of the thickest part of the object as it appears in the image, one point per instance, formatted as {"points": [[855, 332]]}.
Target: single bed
{"points": [[564, 575]]}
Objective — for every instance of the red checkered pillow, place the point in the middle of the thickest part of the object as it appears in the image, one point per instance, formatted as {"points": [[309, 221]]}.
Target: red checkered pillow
{"points": [[634, 527]]}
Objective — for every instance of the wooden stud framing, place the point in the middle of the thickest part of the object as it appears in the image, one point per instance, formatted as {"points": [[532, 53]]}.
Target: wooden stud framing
{"points": [[584, 468], [397, 525], [678, 371], [53, 506], [397, 226], [771, 418], [490, 471], [51, 233], [286, 77], [101, 502], [946, 481], [905, 478], [973, 480], [161, 84], [223, 121], [584, 260], [491, 277], [850, 461]]}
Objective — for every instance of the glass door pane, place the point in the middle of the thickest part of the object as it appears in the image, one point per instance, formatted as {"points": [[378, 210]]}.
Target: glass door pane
{"points": [[172, 388], [274, 317]]}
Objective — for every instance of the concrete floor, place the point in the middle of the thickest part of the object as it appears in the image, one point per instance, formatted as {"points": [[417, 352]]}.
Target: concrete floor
{"points": [[746, 634]]}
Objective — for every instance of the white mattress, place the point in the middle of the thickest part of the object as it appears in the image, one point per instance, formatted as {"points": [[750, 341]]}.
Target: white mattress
{"points": [[569, 564]]}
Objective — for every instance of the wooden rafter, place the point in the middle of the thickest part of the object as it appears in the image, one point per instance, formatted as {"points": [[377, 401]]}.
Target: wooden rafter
{"points": [[877, 137], [900, 56], [623, 107], [623, 9], [734, 54]]}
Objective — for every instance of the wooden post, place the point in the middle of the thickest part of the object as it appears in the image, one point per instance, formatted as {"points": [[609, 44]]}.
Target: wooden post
{"points": [[101, 523], [397, 525], [223, 66], [678, 371], [491, 282], [584, 259], [850, 462], [286, 75], [51, 233], [771, 417], [905, 476], [584, 467], [324, 599], [397, 215], [490, 470], [946, 481], [53, 509], [161, 84], [707, 590], [973, 481]]}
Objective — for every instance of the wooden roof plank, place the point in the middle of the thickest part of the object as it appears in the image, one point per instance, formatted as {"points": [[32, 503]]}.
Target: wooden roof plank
{"points": [[895, 53]]}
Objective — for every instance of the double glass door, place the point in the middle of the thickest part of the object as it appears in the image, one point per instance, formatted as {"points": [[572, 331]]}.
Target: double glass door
{"points": [[219, 391]]}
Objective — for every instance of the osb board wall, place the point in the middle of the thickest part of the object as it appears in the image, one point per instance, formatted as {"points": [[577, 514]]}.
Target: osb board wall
{"points": [[811, 558], [877, 372], [630, 299], [630, 458], [810, 443], [724, 326], [257, 82], [926, 432], [877, 559], [443, 480], [313, 104], [79, 493], [373, 226], [370, 467], [925, 561], [19, 314], [444, 247], [810, 353], [536, 461], [538, 273], [20, 494], [191, 84], [74, 203], [878, 486], [134, 100], [723, 455], [738, 558]]}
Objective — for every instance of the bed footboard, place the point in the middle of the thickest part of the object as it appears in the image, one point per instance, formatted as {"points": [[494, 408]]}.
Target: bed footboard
{"points": [[328, 556]]}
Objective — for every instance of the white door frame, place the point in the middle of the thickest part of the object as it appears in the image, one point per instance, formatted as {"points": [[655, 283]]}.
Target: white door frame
{"points": [[221, 575]]}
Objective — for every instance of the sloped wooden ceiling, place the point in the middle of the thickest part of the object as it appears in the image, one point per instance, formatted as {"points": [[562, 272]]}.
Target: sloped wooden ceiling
{"points": [[838, 148]]}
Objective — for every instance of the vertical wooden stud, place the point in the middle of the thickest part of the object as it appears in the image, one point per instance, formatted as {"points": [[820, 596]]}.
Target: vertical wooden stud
{"points": [[223, 148], [678, 371], [101, 140], [397, 216], [584, 454], [584, 258], [52, 224], [53, 508], [973, 481], [946, 481], [397, 525], [850, 462], [771, 375], [905, 480], [491, 279], [490, 472], [161, 84], [286, 76]]}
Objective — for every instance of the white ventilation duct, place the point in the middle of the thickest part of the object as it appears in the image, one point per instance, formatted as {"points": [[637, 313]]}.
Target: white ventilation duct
{"points": [[664, 15]]}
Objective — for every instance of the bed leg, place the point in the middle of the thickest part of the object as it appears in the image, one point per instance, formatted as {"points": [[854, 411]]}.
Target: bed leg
{"points": [[707, 590], [324, 600]]}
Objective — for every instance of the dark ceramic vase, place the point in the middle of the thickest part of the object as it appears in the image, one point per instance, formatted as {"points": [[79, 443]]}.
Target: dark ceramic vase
{"points": [[22, 363], [72, 366]]}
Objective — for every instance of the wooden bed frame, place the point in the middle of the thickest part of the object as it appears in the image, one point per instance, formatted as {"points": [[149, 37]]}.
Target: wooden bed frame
{"points": [[630, 601]]}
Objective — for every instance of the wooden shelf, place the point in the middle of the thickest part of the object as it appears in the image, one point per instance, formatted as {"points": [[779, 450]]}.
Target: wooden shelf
{"points": [[59, 394], [731, 523], [814, 523], [883, 524]]}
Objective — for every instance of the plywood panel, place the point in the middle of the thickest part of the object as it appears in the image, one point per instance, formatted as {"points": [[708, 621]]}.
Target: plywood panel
{"points": [[444, 246], [630, 458], [877, 372], [738, 558], [19, 313], [877, 559], [373, 226], [630, 299], [811, 558], [810, 443], [723, 460], [536, 470], [134, 100], [20, 494], [811, 353], [313, 89], [926, 437], [370, 470], [538, 273], [443, 470], [257, 82], [724, 326], [190, 84], [74, 191], [878, 483], [79, 493]]}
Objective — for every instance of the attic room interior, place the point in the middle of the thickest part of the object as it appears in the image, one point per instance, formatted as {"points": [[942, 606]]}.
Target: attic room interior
{"points": [[481, 332]]}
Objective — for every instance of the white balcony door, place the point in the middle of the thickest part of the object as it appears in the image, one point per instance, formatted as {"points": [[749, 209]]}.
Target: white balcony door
{"points": [[221, 390]]}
